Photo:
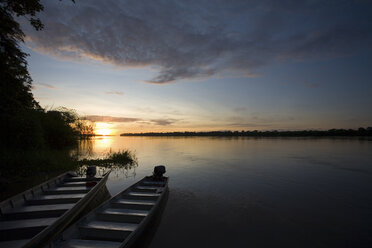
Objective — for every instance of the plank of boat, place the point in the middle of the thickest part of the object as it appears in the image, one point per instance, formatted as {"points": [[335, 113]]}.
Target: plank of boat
{"points": [[74, 184], [80, 179], [107, 231], [55, 199], [81, 243], [67, 190], [118, 222], [122, 215], [35, 216], [133, 204], [21, 229], [37, 211], [148, 188]]}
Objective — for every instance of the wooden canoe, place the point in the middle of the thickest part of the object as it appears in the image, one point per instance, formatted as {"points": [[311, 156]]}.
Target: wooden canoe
{"points": [[120, 221], [34, 217]]}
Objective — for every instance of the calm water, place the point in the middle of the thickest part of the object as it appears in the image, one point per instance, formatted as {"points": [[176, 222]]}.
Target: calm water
{"points": [[246, 192]]}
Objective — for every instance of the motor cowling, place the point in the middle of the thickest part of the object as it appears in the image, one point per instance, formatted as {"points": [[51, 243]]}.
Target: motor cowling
{"points": [[159, 171], [91, 171]]}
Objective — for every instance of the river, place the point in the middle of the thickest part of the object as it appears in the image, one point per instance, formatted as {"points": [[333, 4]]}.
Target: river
{"points": [[254, 192]]}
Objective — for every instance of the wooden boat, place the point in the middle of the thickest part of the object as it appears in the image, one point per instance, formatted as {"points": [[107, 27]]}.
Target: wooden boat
{"points": [[34, 217], [120, 221]]}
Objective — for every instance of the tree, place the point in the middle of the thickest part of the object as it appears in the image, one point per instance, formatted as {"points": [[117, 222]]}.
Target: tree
{"points": [[15, 84], [21, 116]]}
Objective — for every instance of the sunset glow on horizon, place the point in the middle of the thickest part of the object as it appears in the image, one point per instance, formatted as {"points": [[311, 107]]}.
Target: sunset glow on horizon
{"points": [[103, 129]]}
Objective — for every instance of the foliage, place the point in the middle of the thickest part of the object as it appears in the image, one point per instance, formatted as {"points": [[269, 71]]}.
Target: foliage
{"points": [[15, 83], [57, 129], [84, 128]]}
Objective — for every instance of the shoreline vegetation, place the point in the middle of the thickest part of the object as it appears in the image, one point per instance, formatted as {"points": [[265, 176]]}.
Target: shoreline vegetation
{"points": [[360, 132]]}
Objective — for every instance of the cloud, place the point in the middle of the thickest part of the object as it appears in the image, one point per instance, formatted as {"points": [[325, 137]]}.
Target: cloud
{"points": [[48, 86], [103, 118], [198, 39], [119, 93], [163, 122]]}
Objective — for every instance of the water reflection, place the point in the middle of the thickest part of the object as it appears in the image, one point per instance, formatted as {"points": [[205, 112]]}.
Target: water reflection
{"points": [[256, 192], [94, 148]]}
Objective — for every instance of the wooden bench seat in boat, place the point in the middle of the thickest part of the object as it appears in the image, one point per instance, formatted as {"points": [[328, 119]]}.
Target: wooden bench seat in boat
{"points": [[23, 229], [55, 199], [37, 211], [109, 231], [83, 243], [73, 184], [80, 179], [142, 195], [23, 224], [122, 215], [133, 204], [147, 188], [67, 190]]}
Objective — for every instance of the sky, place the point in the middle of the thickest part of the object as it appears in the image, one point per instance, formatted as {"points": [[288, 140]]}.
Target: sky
{"points": [[156, 66]]}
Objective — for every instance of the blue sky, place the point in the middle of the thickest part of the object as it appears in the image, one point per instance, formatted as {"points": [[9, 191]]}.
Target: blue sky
{"points": [[137, 66]]}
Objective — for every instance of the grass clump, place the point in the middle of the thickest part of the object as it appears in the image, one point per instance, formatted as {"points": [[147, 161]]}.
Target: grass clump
{"points": [[119, 159]]}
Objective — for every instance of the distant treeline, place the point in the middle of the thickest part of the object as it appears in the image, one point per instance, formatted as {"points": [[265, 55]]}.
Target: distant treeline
{"points": [[331, 132]]}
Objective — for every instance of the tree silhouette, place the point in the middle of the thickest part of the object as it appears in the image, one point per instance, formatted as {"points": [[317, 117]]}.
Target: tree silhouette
{"points": [[25, 125], [15, 84]]}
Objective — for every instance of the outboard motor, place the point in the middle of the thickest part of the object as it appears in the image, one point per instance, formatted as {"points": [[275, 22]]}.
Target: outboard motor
{"points": [[158, 172], [91, 171]]}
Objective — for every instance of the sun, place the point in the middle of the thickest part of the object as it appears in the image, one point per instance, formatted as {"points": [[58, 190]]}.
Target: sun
{"points": [[104, 129]]}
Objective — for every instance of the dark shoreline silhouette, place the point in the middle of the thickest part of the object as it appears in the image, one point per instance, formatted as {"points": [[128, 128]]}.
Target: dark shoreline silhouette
{"points": [[304, 133]]}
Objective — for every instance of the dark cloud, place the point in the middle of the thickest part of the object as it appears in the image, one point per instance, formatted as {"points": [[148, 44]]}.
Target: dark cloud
{"points": [[163, 122], [105, 118], [102, 118], [119, 93], [197, 39]]}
